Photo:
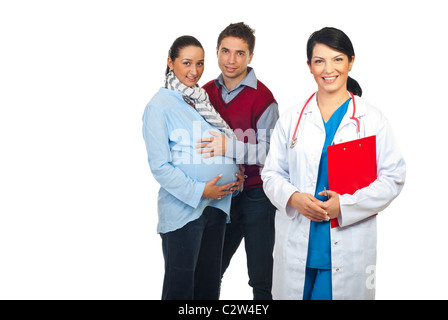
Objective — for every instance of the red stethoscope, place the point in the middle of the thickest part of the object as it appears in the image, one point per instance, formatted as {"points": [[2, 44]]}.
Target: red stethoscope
{"points": [[294, 137]]}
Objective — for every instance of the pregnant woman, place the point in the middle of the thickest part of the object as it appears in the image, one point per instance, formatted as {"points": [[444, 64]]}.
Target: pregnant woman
{"points": [[195, 194]]}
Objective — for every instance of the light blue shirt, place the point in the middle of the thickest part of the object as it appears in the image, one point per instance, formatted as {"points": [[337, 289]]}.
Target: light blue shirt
{"points": [[171, 129]]}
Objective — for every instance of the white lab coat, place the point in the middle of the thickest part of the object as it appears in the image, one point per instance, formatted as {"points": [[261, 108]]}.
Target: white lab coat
{"points": [[353, 244]]}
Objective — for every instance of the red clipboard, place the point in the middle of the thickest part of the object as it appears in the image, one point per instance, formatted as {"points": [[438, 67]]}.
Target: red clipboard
{"points": [[351, 166]]}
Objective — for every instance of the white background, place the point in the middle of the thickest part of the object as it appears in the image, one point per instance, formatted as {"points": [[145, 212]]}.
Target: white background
{"points": [[77, 199]]}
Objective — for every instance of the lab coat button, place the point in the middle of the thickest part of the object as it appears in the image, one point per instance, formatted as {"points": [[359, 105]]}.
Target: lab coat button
{"points": [[337, 269]]}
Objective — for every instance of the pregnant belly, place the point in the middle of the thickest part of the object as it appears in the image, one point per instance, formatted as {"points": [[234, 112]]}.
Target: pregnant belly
{"points": [[186, 157], [208, 169]]}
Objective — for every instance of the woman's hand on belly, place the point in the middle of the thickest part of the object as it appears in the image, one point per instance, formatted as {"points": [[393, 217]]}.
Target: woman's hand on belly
{"points": [[214, 191]]}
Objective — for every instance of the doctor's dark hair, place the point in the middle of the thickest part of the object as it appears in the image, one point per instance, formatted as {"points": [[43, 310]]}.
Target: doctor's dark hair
{"points": [[339, 41], [239, 30], [179, 44]]}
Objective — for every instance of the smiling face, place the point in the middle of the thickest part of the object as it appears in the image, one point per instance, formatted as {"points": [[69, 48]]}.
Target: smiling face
{"points": [[233, 58], [189, 65], [330, 69]]}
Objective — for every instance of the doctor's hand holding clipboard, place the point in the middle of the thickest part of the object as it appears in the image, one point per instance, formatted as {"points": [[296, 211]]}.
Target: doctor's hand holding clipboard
{"points": [[327, 143]]}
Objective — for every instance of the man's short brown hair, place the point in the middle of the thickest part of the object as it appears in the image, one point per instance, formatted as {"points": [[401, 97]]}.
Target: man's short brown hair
{"points": [[239, 30]]}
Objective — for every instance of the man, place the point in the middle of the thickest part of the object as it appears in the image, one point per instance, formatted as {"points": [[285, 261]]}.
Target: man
{"points": [[251, 111]]}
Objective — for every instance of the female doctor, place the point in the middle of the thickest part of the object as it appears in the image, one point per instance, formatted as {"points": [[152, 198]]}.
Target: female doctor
{"points": [[312, 260]]}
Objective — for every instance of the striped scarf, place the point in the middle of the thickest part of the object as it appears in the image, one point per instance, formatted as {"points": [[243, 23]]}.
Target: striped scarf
{"points": [[199, 98]]}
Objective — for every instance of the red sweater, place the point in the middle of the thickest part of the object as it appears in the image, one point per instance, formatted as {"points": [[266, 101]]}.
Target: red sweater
{"points": [[241, 114]]}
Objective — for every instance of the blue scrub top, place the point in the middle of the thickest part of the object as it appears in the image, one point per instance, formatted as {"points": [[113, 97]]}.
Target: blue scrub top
{"points": [[319, 249]]}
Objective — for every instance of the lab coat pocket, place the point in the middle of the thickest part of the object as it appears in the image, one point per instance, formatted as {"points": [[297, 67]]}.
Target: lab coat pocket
{"points": [[345, 137]]}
